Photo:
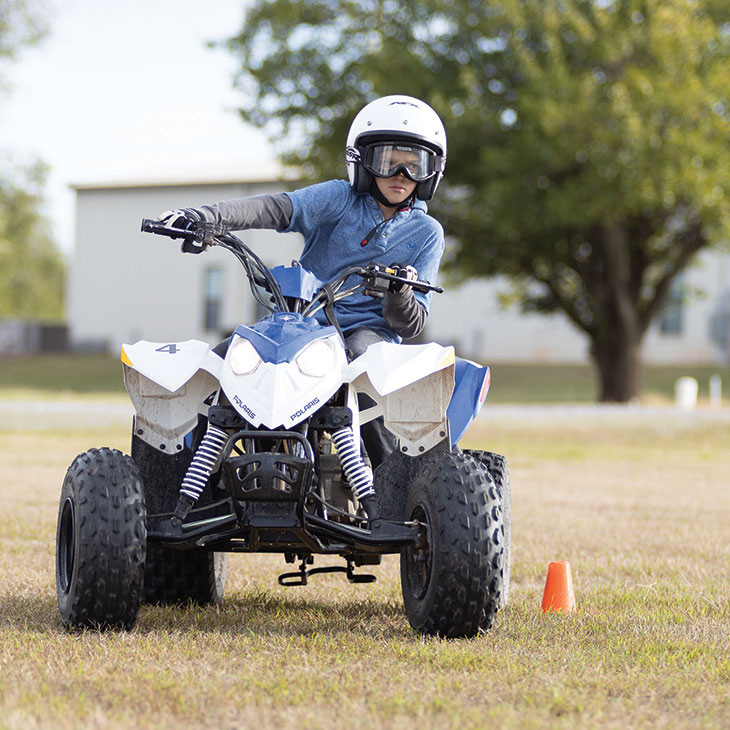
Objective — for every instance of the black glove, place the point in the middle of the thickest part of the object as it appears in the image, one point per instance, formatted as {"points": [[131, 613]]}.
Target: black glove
{"points": [[405, 271], [185, 219]]}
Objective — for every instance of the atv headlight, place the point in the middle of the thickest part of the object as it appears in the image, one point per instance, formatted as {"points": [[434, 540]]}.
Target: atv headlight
{"points": [[243, 358], [316, 359]]}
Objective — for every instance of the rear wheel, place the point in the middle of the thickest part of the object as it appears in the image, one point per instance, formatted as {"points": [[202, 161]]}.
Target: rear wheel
{"points": [[175, 576], [496, 465], [452, 578], [178, 576], [100, 541]]}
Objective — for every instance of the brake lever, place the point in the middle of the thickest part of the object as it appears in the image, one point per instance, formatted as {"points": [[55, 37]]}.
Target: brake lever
{"points": [[374, 272], [421, 286]]}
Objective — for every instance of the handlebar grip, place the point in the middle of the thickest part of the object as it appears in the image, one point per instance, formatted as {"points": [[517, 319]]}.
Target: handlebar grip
{"points": [[150, 225]]}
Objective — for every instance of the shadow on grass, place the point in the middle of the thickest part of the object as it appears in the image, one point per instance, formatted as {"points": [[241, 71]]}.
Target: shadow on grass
{"points": [[251, 613], [260, 612]]}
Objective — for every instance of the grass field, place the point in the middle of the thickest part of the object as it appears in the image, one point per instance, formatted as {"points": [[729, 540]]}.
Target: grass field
{"points": [[637, 503], [511, 383]]}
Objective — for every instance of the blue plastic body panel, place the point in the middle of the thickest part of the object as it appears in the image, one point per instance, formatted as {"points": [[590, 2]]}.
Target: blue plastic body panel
{"points": [[296, 282], [280, 336], [470, 391]]}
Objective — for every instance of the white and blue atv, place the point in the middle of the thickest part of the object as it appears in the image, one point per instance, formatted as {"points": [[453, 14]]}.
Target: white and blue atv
{"points": [[255, 446]]}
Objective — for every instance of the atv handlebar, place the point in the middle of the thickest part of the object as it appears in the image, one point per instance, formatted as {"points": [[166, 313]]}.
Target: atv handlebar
{"points": [[376, 277]]}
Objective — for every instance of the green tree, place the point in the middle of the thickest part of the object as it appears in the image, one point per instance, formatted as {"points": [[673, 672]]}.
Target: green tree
{"points": [[32, 270], [22, 23], [588, 139]]}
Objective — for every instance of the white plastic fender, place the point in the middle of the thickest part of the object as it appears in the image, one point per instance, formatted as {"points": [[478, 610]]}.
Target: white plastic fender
{"points": [[390, 366], [171, 364], [163, 418], [167, 383], [411, 385]]}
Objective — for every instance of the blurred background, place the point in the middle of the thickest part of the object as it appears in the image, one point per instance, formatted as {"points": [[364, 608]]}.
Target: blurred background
{"points": [[586, 199]]}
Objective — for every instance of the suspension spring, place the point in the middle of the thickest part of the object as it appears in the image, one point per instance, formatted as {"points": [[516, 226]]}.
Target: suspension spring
{"points": [[359, 475], [201, 467]]}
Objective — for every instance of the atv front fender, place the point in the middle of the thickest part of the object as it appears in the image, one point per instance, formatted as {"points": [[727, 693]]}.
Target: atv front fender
{"points": [[411, 386], [171, 365], [168, 384]]}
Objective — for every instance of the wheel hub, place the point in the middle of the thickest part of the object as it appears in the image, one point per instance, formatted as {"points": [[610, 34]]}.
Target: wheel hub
{"points": [[419, 557], [66, 545]]}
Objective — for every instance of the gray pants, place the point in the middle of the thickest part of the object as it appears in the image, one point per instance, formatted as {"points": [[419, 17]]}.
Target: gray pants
{"points": [[379, 442]]}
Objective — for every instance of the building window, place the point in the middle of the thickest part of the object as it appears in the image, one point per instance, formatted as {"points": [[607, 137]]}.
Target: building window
{"points": [[213, 299], [672, 317]]}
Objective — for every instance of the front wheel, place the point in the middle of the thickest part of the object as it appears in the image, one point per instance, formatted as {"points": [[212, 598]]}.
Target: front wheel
{"points": [[100, 541], [497, 466], [452, 578]]}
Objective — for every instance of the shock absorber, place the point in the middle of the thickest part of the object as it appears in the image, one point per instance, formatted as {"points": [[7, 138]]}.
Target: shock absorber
{"points": [[358, 474], [197, 475]]}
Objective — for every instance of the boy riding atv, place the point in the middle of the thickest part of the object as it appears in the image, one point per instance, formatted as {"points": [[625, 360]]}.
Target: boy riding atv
{"points": [[396, 157]]}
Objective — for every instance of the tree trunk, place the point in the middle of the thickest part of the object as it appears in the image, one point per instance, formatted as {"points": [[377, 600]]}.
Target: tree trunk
{"points": [[617, 342], [618, 363]]}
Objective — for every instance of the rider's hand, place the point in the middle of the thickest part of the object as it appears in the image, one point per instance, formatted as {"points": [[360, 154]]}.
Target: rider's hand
{"points": [[405, 272], [185, 219]]}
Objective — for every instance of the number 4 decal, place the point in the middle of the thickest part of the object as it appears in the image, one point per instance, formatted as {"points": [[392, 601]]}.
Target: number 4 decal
{"points": [[170, 349]]}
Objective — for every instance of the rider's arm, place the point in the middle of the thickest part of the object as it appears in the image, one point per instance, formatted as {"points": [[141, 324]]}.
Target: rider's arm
{"points": [[404, 313], [257, 211]]}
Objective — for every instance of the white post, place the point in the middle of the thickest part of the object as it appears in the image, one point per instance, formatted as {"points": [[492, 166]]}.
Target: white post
{"points": [[685, 393], [716, 391]]}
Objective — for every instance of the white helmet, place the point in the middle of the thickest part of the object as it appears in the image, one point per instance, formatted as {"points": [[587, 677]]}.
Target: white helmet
{"points": [[404, 120]]}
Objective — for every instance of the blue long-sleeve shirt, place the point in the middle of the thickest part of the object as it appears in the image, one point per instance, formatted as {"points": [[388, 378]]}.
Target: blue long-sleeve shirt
{"points": [[334, 221]]}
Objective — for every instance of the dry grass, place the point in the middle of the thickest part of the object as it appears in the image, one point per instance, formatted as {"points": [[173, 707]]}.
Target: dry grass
{"points": [[639, 507]]}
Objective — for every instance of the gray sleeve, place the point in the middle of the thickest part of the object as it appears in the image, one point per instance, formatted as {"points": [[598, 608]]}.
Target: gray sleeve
{"points": [[404, 313], [257, 211]]}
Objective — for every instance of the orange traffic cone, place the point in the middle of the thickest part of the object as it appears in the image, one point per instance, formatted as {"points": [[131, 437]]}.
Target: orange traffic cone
{"points": [[558, 595]]}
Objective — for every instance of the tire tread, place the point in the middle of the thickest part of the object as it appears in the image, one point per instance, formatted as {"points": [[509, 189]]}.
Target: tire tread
{"points": [[106, 584]]}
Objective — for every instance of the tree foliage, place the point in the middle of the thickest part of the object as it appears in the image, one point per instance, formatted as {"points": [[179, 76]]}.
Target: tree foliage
{"points": [[588, 139], [32, 269], [22, 22]]}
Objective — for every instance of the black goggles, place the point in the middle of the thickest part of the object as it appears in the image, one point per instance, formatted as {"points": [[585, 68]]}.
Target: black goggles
{"points": [[386, 159]]}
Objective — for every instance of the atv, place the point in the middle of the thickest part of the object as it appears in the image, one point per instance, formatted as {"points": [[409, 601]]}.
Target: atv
{"points": [[255, 446]]}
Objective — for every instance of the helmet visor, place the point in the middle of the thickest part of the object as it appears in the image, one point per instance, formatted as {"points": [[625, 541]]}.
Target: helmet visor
{"points": [[386, 159]]}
